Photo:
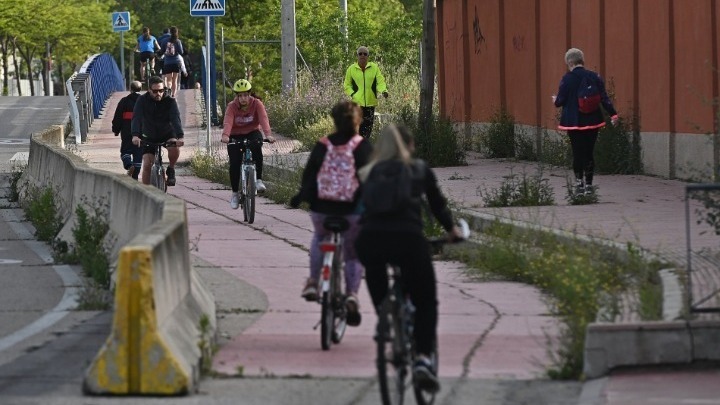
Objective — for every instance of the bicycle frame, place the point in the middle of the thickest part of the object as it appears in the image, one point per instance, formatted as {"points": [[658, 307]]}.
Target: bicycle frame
{"points": [[248, 178], [157, 171]]}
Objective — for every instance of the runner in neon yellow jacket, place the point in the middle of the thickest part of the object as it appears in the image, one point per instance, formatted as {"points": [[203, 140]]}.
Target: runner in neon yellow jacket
{"points": [[363, 83]]}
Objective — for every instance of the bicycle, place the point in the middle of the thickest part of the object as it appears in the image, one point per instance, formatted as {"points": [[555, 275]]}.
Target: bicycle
{"points": [[394, 338], [333, 315], [148, 72], [157, 172], [248, 178]]}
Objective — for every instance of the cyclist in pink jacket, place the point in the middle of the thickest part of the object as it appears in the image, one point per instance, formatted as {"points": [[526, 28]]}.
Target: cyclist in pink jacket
{"points": [[244, 117]]}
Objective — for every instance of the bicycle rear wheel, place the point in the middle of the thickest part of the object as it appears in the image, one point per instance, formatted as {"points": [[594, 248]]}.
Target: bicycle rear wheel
{"points": [[249, 201], [393, 358], [340, 322], [327, 321]]}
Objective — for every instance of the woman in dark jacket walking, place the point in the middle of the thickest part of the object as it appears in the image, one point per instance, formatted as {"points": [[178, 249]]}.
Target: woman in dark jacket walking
{"points": [[582, 127]]}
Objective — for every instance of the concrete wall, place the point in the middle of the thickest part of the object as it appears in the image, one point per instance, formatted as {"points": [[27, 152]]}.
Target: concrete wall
{"points": [[659, 59], [159, 300]]}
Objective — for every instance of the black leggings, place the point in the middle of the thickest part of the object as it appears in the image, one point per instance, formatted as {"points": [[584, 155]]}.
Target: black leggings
{"points": [[366, 126], [235, 157], [583, 146], [411, 252]]}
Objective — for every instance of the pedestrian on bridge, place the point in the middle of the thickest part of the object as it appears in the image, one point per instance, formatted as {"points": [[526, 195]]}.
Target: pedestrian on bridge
{"points": [[130, 154]]}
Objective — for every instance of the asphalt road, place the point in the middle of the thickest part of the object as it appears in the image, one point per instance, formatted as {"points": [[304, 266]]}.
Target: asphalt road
{"points": [[21, 116]]}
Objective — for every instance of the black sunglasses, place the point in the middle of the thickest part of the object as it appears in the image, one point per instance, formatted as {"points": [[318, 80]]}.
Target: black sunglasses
{"points": [[362, 54], [157, 91]]}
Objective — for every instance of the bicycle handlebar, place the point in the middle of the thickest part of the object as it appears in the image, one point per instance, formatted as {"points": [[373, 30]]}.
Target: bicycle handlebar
{"points": [[245, 141], [464, 235], [165, 144]]}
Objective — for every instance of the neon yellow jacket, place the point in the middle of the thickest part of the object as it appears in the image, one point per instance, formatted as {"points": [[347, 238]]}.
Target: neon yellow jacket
{"points": [[364, 86]]}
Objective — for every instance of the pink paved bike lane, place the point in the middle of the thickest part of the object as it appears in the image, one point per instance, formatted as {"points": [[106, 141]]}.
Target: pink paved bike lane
{"points": [[486, 329]]}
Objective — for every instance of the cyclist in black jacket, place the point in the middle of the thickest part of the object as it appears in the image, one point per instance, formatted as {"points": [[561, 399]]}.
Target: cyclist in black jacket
{"points": [[156, 119], [397, 238], [130, 154]]}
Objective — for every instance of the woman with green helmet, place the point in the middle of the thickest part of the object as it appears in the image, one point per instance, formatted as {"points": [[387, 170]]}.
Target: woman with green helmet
{"points": [[245, 116]]}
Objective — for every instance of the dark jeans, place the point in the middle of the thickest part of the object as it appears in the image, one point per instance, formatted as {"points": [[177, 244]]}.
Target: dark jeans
{"points": [[366, 126], [411, 252], [235, 157], [131, 155], [583, 147]]}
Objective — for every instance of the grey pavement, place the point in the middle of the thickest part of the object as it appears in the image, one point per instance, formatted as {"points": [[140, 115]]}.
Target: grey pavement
{"points": [[491, 333]]}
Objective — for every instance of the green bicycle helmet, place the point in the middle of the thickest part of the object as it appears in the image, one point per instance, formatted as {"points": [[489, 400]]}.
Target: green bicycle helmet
{"points": [[242, 86]]}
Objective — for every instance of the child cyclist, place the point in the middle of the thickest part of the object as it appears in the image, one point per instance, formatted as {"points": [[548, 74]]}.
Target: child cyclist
{"points": [[244, 117], [331, 186]]}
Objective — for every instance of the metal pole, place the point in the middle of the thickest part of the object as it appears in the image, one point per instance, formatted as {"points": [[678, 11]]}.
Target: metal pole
{"points": [[122, 58], [224, 75], [207, 82], [688, 251], [289, 45], [343, 24]]}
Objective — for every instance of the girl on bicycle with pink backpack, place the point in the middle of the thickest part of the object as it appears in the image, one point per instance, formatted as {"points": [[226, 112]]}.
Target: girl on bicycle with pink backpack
{"points": [[331, 186]]}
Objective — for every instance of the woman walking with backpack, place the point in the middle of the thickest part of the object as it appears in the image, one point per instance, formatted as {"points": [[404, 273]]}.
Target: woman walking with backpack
{"points": [[172, 60], [392, 233], [580, 95], [331, 186]]}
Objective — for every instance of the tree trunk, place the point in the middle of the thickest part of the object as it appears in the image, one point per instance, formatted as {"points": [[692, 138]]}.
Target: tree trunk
{"points": [[28, 57], [45, 59], [62, 78], [16, 65], [427, 75], [5, 45]]}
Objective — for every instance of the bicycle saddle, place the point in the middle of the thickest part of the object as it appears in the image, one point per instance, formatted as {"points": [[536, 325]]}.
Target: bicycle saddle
{"points": [[336, 224]]}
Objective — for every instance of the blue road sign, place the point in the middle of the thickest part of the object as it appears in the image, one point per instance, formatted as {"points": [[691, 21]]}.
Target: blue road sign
{"points": [[121, 21], [207, 8]]}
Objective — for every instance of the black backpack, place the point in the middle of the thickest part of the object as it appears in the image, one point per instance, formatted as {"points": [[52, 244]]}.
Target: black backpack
{"points": [[389, 189]]}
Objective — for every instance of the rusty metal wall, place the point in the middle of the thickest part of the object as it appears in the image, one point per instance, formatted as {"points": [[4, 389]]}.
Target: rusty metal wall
{"points": [[659, 58]]}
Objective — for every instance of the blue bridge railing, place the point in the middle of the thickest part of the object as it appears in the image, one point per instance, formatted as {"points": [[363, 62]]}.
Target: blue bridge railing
{"points": [[105, 79]]}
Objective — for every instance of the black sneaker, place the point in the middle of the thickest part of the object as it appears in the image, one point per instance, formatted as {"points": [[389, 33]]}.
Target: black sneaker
{"points": [[424, 375], [589, 189], [170, 176]]}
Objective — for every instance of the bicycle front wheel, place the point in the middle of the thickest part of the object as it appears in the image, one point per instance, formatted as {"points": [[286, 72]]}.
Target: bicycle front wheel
{"points": [[392, 361], [157, 178], [249, 202]]}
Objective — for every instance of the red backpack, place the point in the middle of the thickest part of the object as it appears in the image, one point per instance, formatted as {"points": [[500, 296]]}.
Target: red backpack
{"points": [[336, 179], [589, 96]]}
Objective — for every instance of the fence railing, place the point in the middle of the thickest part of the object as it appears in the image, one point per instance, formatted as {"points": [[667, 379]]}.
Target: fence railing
{"points": [[89, 89], [105, 78], [79, 89]]}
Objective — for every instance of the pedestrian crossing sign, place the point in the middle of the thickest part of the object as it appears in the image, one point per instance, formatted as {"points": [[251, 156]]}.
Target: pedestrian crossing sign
{"points": [[207, 8], [121, 21]]}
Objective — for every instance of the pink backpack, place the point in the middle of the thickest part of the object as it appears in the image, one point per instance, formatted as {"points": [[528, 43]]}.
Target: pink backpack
{"points": [[336, 180]]}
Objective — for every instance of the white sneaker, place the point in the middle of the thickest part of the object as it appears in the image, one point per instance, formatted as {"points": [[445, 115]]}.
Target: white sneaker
{"points": [[235, 201], [260, 186]]}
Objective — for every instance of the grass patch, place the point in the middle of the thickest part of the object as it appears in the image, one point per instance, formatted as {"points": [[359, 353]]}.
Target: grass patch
{"points": [[211, 166], [579, 278], [520, 191]]}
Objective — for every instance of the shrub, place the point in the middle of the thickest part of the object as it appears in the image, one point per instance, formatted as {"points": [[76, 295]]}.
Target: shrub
{"points": [[43, 211], [522, 191], [15, 175], [440, 146], [89, 234], [618, 149], [498, 139], [556, 150]]}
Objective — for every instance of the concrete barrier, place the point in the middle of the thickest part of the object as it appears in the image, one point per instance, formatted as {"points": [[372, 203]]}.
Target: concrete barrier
{"points": [[159, 300]]}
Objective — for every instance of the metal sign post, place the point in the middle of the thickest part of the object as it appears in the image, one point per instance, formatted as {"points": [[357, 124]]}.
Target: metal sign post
{"points": [[207, 9], [121, 22]]}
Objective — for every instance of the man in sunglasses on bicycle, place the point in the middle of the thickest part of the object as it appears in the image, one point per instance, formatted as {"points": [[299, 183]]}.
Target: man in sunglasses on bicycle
{"points": [[244, 117], [156, 119]]}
